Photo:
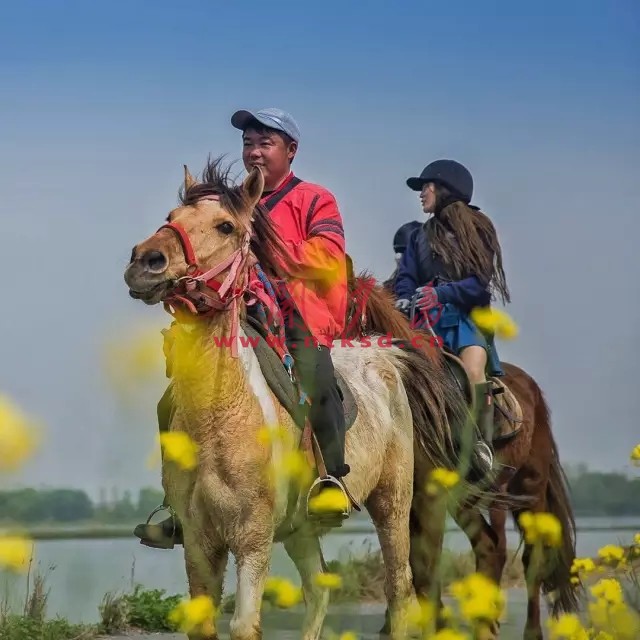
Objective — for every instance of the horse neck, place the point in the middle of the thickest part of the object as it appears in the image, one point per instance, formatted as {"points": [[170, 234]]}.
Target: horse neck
{"points": [[210, 385]]}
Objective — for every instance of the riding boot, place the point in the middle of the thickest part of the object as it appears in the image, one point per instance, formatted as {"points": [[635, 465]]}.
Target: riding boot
{"points": [[483, 462], [328, 502], [167, 533]]}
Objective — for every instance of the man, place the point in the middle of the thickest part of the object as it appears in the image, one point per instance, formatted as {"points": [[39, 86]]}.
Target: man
{"points": [[314, 300], [400, 242]]}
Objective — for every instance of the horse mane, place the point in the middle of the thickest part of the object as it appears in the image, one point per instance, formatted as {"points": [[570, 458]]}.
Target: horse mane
{"points": [[266, 244]]}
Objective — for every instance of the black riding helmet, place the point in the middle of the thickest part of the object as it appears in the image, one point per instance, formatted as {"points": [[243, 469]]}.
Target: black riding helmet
{"points": [[401, 237], [448, 173]]}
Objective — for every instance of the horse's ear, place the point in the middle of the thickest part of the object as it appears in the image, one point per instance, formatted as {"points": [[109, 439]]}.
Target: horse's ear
{"points": [[189, 180], [253, 186]]}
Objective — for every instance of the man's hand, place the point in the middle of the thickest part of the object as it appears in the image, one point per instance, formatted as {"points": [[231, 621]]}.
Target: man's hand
{"points": [[403, 305]]}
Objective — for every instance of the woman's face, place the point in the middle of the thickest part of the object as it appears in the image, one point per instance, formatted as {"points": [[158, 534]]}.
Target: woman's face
{"points": [[428, 197]]}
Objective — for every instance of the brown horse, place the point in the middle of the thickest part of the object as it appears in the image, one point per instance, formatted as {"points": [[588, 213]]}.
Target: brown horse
{"points": [[540, 480], [200, 263]]}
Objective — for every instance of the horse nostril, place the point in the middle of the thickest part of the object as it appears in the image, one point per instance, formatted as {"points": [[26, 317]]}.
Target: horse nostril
{"points": [[154, 261]]}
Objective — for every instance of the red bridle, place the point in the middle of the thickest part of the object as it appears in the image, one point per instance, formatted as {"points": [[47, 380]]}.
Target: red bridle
{"points": [[200, 292]]}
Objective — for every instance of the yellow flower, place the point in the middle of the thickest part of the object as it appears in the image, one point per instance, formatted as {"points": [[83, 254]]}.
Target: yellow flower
{"points": [[421, 613], [274, 433], [329, 501], [603, 635], [635, 454], [195, 615], [444, 477], [494, 321], [480, 599], [180, 448], [15, 553], [567, 627], [347, 635], [296, 467], [636, 539], [19, 436], [283, 592], [583, 565], [617, 616], [450, 634], [608, 590], [541, 527], [328, 580], [611, 554]]}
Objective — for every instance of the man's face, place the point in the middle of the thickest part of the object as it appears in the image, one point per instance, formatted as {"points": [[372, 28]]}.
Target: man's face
{"points": [[271, 153]]}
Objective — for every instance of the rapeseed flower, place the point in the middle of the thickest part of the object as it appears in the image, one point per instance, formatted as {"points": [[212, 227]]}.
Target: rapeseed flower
{"points": [[441, 479], [543, 528], [480, 599], [329, 501], [494, 321], [612, 554], [282, 592], [180, 448], [328, 580], [19, 436], [567, 627], [195, 615], [15, 553]]}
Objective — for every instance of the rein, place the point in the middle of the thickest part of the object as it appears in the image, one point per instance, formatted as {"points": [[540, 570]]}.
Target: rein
{"points": [[204, 295]]}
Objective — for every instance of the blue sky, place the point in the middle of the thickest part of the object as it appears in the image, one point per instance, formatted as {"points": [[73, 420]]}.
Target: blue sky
{"points": [[102, 103]]}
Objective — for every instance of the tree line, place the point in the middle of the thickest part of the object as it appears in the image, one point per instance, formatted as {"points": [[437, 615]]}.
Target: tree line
{"points": [[65, 506], [593, 493]]}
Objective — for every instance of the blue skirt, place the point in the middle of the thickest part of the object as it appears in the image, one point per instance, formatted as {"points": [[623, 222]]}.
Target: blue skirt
{"points": [[458, 331]]}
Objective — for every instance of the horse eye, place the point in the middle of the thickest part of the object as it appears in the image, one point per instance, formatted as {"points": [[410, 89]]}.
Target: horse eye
{"points": [[225, 227]]}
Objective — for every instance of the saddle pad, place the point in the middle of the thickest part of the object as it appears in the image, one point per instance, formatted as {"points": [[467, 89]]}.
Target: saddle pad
{"points": [[279, 382], [507, 418], [508, 414]]}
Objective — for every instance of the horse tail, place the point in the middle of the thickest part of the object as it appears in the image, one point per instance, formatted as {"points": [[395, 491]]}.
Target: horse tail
{"points": [[558, 580]]}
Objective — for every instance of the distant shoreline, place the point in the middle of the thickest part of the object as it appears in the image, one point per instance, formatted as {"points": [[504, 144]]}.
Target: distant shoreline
{"points": [[104, 532]]}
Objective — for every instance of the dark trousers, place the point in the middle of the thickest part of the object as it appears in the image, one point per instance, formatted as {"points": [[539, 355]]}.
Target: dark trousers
{"points": [[314, 368]]}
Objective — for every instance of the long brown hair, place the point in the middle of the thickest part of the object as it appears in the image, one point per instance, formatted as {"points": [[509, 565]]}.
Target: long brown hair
{"points": [[473, 249]]}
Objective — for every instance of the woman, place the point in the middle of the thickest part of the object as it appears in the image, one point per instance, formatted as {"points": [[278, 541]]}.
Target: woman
{"points": [[449, 267]]}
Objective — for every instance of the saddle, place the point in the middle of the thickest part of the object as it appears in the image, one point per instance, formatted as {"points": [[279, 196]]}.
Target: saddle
{"points": [[508, 416], [279, 381]]}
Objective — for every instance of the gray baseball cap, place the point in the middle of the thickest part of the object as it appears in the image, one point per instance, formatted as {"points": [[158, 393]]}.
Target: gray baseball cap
{"points": [[273, 118]]}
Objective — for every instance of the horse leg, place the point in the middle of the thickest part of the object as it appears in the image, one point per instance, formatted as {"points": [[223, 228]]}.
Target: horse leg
{"points": [[498, 520], [485, 542], [205, 574], [427, 524], [304, 550], [252, 560], [389, 506]]}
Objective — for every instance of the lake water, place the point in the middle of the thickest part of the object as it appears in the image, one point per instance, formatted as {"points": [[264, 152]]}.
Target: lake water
{"points": [[80, 572]]}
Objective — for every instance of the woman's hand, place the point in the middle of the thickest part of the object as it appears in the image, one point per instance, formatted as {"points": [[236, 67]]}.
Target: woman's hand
{"points": [[426, 298]]}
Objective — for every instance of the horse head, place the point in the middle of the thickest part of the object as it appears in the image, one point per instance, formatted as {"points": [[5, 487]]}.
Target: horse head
{"points": [[200, 258]]}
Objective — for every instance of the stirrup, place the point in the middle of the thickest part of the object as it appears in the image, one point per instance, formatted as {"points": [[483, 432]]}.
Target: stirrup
{"points": [[330, 517], [164, 507], [483, 450], [157, 544]]}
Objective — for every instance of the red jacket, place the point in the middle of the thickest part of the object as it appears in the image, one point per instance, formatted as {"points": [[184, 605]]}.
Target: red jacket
{"points": [[309, 222]]}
